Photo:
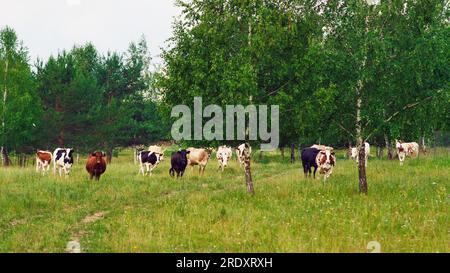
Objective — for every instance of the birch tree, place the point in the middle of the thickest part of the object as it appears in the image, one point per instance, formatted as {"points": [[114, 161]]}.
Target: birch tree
{"points": [[379, 65], [20, 107]]}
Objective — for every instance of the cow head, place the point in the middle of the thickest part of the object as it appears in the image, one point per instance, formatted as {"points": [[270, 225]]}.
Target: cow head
{"points": [[98, 156], [327, 157], [224, 155], [184, 154], [68, 157], [399, 146], [159, 156], [209, 151]]}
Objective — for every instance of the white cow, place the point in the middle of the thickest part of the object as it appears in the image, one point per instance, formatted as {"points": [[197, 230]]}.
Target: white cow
{"points": [[406, 149], [325, 161], [322, 147], [355, 155], [223, 155], [240, 153], [156, 149], [63, 160]]}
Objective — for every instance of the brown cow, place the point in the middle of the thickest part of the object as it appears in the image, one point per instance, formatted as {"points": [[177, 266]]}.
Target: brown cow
{"points": [[96, 164], [198, 157], [43, 159]]}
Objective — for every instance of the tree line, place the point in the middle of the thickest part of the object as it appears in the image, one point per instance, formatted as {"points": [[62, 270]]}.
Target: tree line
{"points": [[77, 98]]}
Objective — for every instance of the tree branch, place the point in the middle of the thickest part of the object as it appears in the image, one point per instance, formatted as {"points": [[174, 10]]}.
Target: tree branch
{"points": [[345, 129], [403, 109], [276, 90]]}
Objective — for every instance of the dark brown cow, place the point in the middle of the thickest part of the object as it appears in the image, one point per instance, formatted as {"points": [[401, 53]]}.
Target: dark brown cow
{"points": [[96, 165]]}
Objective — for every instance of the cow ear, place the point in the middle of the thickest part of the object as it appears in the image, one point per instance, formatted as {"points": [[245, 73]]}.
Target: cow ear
{"points": [[188, 152], [93, 154]]}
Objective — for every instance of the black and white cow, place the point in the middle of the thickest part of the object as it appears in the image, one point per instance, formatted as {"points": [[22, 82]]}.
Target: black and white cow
{"points": [[150, 160], [309, 156], [63, 160], [322, 160]]}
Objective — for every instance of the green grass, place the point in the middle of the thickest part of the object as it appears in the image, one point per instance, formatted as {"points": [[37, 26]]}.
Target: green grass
{"points": [[406, 209]]}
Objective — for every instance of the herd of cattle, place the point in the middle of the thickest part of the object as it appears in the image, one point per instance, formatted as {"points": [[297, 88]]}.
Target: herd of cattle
{"points": [[320, 157]]}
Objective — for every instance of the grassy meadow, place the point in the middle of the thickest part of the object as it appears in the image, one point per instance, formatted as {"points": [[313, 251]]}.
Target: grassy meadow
{"points": [[406, 209]]}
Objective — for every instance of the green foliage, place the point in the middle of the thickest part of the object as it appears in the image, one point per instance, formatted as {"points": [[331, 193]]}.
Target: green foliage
{"points": [[398, 52], [20, 107], [308, 57]]}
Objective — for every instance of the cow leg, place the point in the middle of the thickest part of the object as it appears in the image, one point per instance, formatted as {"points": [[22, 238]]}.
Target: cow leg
{"points": [[37, 165], [401, 158], [306, 169], [315, 169], [327, 175], [147, 169]]}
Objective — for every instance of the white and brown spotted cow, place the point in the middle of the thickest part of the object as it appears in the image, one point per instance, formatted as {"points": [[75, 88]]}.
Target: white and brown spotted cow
{"points": [[405, 149], [223, 155], [43, 159], [354, 154], [326, 161], [240, 153]]}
